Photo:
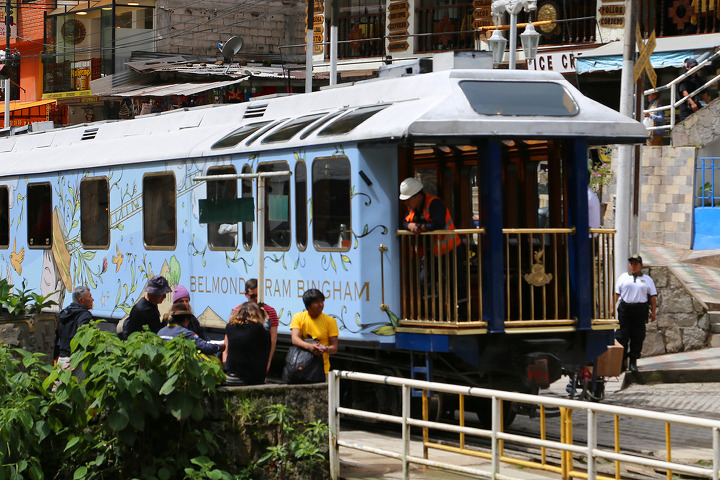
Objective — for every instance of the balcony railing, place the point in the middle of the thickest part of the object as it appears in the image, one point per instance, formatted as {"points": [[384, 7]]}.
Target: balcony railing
{"points": [[445, 290], [603, 254], [707, 169], [442, 290], [537, 277], [363, 35], [445, 27]]}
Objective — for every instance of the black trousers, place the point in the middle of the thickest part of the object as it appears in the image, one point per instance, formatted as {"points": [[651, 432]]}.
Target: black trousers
{"points": [[631, 335]]}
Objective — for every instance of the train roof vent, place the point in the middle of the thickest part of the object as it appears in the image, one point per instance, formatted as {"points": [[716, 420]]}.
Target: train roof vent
{"points": [[89, 133], [255, 111]]}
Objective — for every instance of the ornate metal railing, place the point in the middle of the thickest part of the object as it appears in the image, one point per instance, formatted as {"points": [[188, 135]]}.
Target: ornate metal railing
{"points": [[537, 277], [603, 248], [441, 290]]}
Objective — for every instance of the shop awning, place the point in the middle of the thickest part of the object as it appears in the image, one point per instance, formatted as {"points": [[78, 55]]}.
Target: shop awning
{"points": [[23, 105], [172, 89], [669, 52]]}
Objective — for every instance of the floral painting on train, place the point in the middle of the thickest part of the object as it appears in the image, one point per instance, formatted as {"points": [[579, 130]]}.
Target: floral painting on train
{"points": [[113, 228]]}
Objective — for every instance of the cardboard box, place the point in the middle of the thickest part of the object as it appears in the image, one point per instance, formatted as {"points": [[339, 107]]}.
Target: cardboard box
{"points": [[610, 363]]}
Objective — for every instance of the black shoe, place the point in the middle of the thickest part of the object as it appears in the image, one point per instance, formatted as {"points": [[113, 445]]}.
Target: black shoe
{"points": [[633, 366]]}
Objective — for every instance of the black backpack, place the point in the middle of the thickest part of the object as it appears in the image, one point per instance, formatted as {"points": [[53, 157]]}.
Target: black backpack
{"points": [[301, 366]]}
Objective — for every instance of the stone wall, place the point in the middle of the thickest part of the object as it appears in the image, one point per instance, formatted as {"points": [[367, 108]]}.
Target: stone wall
{"points": [[35, 333], [682, 322], [667, 193], [667, 180], [237, 415], [197, 29], [699, 129]]}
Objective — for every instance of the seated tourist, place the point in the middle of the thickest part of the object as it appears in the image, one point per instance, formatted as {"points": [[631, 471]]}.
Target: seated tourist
{"points": [[247, 345], [177, 326]]}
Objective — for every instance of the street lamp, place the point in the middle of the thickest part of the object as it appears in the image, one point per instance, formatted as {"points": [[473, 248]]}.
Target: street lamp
{"points": [[529, 38], [497, 45]]}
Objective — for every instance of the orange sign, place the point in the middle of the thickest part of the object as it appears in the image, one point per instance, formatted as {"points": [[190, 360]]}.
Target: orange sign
{"points": [[399, 6], [398, 46]]}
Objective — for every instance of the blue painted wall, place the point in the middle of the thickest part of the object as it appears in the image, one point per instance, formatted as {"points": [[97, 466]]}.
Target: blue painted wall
{"points": [[707, 228]]}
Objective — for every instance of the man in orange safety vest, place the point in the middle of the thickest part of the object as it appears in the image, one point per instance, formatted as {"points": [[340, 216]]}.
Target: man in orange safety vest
{"points": [[427, 213]]}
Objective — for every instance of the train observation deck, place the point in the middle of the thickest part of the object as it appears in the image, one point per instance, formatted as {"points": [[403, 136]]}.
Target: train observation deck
{"points": [[446, 292]]}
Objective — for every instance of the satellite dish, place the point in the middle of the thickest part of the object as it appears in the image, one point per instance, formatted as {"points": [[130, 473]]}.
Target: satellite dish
{"points": [[230, 48]]}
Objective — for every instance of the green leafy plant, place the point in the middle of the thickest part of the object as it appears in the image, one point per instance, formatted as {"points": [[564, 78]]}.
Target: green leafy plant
{"points": [[137, 413], [23, 301], [705, 197], [301, 446]]}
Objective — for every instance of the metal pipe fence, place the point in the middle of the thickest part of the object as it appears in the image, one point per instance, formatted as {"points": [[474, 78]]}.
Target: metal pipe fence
{"points": [[706, 170], [589, 452]]}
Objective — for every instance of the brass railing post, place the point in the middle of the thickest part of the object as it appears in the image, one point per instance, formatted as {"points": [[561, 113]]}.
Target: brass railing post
{"points": [[383, 249]]}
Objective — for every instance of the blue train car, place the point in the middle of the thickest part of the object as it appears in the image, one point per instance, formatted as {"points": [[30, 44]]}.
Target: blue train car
{"points": [[526, 293]]}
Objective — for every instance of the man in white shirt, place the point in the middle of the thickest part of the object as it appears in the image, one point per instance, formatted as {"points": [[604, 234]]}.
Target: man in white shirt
{"points": [[636, 291]]}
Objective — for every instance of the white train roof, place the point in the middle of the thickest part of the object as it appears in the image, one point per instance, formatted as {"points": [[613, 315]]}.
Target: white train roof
{"points": [[447, 107]]}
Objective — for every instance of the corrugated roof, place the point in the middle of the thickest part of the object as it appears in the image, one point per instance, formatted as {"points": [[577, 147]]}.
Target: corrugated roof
{"points": [[172, 89]]}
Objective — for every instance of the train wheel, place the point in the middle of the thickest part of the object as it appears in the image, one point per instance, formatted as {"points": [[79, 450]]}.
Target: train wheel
{"points": [[374, 397], [483, 409]]}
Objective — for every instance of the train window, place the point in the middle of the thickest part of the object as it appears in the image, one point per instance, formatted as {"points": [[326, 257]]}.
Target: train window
{"points": [[277, 202], [301, 205], [238, 135], [159, 210], [4, 217], [347, 122], [287, 131], [519, 98], [325, 120], [222, 236], [39, 203], [331, 203], [246, 185], [94, 213]]}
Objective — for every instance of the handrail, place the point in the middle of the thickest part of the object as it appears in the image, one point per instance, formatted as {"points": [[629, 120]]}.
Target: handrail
{"points": [[674, 103], [567, 444]]}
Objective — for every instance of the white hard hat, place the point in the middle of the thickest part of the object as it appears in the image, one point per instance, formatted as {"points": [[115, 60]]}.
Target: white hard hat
{"points": [[409, 187]]}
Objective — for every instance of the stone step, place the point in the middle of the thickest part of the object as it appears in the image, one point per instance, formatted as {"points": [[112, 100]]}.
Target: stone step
{"points": [[714, 340]]}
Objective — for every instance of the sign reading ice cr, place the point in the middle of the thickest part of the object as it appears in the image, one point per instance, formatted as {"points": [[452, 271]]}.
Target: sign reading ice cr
{"points": [[562, 62]]}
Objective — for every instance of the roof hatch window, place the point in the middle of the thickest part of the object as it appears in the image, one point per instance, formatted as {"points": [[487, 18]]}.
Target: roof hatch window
{"points": [[347, 122], [238, 135], [287, 131], [507, 98]]}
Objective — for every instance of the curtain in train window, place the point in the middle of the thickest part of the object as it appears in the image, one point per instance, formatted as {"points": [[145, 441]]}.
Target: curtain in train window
{"points": [[4, 217], [277, 203], [94, 213], [301, 205], [159, 212], [222, 235], [39, 202], [331, 203], [247, 192]]}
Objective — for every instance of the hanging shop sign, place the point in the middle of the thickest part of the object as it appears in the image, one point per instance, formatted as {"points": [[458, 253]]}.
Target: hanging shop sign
{"points": [[612, 14]]}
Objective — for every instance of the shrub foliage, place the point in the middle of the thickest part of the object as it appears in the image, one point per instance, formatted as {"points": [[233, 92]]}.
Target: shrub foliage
{"points": [[138, 413]]}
